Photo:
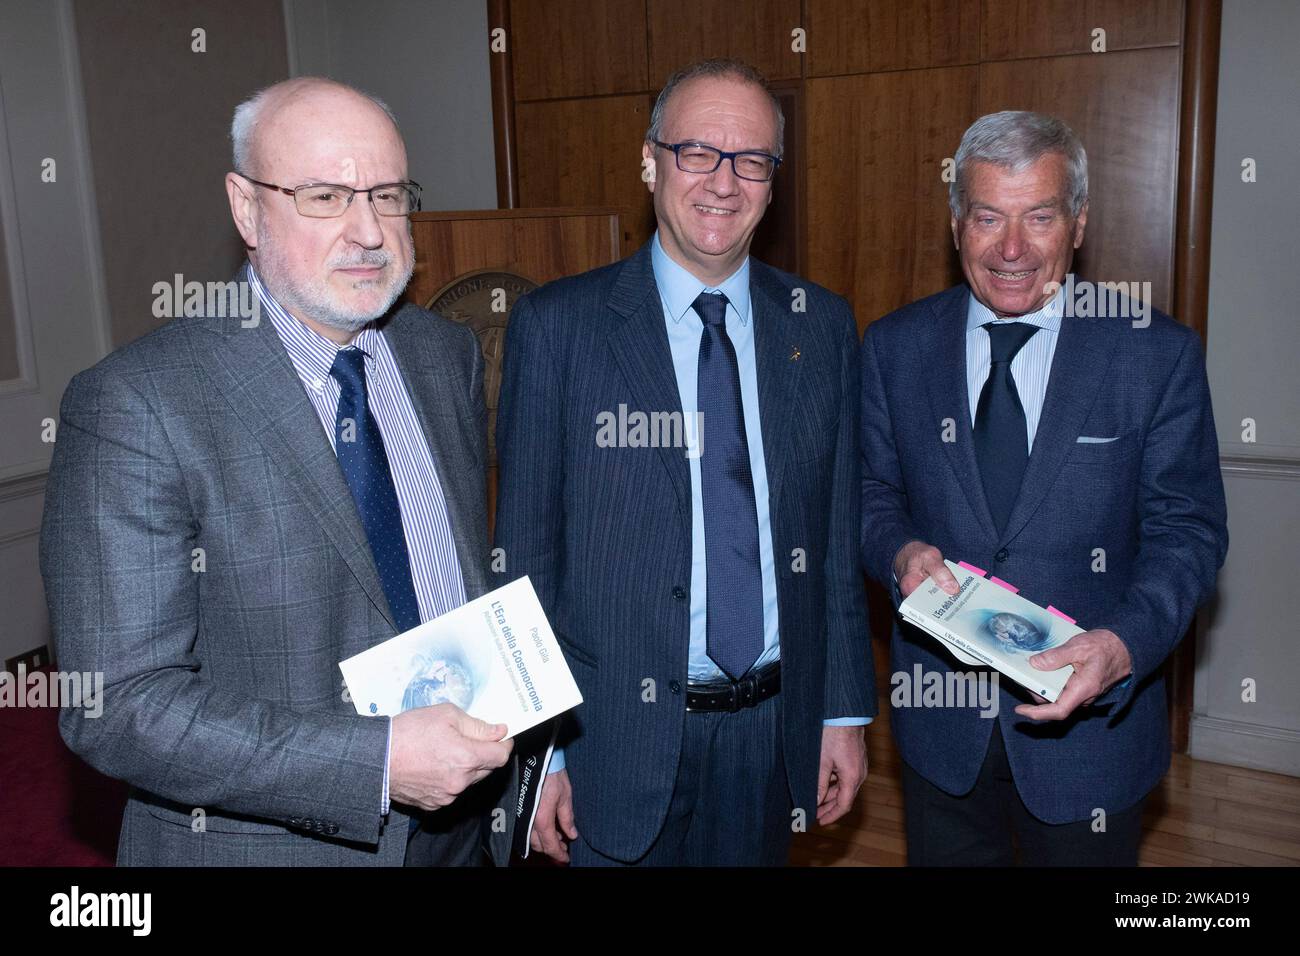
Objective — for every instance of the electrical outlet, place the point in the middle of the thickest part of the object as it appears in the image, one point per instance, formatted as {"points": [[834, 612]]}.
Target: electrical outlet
{"points": [[36, 657]]}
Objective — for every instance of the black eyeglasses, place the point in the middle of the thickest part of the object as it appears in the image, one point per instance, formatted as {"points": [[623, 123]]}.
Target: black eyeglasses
{"points": [[701, 158], [330, 200]]}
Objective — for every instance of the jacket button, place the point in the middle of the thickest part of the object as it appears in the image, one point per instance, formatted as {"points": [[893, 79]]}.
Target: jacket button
{"points": [[679, 592], [295, 821], [332, 829], [1002, 555], [675, 687]]}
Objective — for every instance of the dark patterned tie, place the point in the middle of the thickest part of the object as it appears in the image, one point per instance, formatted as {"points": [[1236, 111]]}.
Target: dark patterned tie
{"points": [[361, 454], [1001, 439], [734, 622]]}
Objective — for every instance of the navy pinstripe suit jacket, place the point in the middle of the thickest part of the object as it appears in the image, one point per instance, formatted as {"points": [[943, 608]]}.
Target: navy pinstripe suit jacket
{"points": [[605, 533]]}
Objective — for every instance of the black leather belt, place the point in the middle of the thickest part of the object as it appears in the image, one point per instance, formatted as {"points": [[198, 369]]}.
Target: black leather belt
{"points": [[733, 695]]}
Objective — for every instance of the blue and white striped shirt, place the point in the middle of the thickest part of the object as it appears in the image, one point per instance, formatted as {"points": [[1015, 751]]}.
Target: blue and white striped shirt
{"points": [[1032, 365], [435, 569]]}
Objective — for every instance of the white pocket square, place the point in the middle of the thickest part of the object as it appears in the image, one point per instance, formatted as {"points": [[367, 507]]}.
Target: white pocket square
{"points": [[1089, 440]]}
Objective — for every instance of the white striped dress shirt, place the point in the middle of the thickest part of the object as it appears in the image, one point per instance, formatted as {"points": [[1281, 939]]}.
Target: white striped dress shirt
{"points": [[1031, 367], [435, 569]]}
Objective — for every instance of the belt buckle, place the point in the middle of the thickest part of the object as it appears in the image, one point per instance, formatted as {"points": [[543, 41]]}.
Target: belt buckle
{"points": [[746, 691]]}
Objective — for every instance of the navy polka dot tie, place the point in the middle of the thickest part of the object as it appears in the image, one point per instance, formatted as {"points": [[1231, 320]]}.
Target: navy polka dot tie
{"points": [[360, 449]]}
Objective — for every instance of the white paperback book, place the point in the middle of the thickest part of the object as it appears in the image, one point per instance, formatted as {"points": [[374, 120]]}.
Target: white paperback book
{"points": [[987, 623], [495, 658]]}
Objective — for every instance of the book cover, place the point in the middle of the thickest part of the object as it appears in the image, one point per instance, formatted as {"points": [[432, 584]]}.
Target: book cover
{"points": [[986, 622], [495, 658]]}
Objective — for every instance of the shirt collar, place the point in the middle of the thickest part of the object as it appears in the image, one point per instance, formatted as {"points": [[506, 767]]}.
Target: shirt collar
{"points": [[1048, 317], [679, 289], [310, 352]]}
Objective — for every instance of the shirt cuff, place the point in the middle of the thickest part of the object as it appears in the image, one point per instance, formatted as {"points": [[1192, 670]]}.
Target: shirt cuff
{"points": [[388, 755], [846, 721], [557, 761]]}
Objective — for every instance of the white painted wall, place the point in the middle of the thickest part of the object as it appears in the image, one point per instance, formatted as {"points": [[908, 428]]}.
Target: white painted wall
{"points": [[429, 63], [1253, 352], [56, 283]]}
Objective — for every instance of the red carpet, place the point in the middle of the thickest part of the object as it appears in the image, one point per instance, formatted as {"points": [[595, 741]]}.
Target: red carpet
{"points": [[54, 809]]}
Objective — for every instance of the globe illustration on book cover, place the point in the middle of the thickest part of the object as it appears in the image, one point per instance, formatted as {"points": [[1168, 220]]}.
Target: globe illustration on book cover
{"points": [[438, 681], [1017, 634], [1011, 634], [443, 671]]}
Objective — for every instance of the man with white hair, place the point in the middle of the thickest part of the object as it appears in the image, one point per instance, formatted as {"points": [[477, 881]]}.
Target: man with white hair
{"points": [[238, 503], [1009, 423]]}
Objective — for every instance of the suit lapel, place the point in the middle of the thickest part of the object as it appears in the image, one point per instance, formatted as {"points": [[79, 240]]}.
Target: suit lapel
{"points": [[1080, 365], [252, 371], [641, 349], [437, 408], [942, 349], [776, 336]]}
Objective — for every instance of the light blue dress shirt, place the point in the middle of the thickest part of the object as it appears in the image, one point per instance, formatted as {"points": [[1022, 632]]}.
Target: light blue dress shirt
{"points": [[678, 289]]}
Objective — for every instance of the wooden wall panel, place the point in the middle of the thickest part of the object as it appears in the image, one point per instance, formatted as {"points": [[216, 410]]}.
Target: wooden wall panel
{"points": [[577, 48], [756, 31], [878, 228], [538, 244], [453, 250], [587, 152], [1124, 106], [778, 240], [849, 36], [1028, 28], [880, 99]]}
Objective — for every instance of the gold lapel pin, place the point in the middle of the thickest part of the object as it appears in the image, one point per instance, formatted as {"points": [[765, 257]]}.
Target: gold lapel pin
{"points": [[795, 353]]}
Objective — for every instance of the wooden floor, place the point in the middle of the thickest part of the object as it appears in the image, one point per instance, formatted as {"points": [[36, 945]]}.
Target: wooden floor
{"points": [[1202, 814]]}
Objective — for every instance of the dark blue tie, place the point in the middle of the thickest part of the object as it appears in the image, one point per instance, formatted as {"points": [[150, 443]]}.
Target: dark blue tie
{"points": [[360, 449], [1001, 439], [734, 622]]}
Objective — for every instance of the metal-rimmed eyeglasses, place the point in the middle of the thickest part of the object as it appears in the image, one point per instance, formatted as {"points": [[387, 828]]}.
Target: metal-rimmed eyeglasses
{"points": [[331, 200]]}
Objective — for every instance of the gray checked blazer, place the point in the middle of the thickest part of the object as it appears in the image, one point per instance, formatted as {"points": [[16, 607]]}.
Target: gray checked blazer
{"points": [[221, 686]]}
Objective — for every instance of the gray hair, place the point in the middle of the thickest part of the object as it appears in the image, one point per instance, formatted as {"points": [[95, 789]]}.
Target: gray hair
{"points": [[1014, 139], [718, 67], [243, 125]]}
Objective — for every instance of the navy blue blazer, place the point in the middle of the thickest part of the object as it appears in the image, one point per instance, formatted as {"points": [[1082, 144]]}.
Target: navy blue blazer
{"points": [[1152, 500], [605, 533]]}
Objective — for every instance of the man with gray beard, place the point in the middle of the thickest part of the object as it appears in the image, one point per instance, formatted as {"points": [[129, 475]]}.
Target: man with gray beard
{"points": [[236, 504]]}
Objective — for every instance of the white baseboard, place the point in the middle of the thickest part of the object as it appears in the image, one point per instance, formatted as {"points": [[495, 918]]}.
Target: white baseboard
{"points": [[1240, 744]]}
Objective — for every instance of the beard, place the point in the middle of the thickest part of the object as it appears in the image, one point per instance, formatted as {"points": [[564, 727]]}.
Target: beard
{"points": [[313, 298]]}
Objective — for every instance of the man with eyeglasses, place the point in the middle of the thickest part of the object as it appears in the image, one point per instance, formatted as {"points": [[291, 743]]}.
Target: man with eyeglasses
{"points": [[236, 504], [702, 578]]}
